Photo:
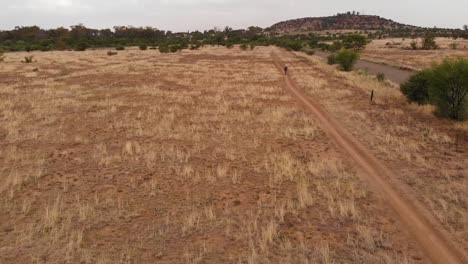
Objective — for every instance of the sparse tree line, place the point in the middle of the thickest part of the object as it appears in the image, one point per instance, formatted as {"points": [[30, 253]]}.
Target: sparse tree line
{"points": [[79, 37]]}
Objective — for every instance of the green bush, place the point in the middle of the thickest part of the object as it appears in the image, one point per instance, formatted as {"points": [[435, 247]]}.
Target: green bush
{"points": [[243, 47], [331, 59], [445, 85], [196, 46], [309, 52], [120, 48], [347, 58], [252, 46], [175, 48], [416, 89], [336, 46], [355, 42], [111, 53], [428, 43], [229, 45], [82, 46], [448, 88], [164, 48], [143, 47]]}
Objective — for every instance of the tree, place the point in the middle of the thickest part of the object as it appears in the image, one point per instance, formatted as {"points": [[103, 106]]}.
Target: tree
{"points": [[448, 88], [355, 42], [428, 42], [465, 27], [347, 58]]}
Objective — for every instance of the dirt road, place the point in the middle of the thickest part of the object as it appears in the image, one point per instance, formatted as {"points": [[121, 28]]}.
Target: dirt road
{"points": [[431, 238], [392, 73]]}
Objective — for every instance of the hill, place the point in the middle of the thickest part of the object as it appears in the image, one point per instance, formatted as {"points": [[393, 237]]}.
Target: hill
{"points": [[337, 22]]}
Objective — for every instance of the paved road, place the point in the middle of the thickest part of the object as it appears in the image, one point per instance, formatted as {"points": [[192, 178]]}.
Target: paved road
{"points": [[391, 73]]}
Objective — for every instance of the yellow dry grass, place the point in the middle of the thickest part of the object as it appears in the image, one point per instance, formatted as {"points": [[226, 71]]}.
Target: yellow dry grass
{"points": [[424, 150], [395, 55], [194, 157]]}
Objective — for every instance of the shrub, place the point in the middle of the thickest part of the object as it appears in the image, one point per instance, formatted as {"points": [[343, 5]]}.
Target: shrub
{"points": [[45, 48], [309, 52], [243, 47], [229, 45], [82, 46], [347, 58], [252, 46], [355, 42], [380, 77], [448, 88], [416, 89], [143, 47], [2, 57], [120, 48], [175, 48], [164, 49], [28, 59], [196, 46], [336, 46], [414, 45], [428, 43], [111, 53], [331, 59]]}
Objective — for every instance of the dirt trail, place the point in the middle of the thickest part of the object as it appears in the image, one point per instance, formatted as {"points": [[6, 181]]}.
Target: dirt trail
{"points": [[392, 73], [432, 239]]}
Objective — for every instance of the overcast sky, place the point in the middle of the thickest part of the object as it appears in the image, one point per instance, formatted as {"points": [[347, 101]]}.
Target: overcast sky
{"points": [[183, 15]]}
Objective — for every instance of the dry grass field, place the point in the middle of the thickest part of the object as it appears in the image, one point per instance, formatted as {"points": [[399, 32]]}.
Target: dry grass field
{"points": [[202, 157], [430, 155], [393, 54]]}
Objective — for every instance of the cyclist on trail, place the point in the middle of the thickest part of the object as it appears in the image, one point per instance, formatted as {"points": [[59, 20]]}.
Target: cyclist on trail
{"points": [[285, 70]]}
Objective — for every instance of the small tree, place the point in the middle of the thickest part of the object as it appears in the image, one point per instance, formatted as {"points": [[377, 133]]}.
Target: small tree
{"points": [[428, 42], [414, 45], [347, 58], [465, 27], [448, 88], [355, 42], [243, 47]]}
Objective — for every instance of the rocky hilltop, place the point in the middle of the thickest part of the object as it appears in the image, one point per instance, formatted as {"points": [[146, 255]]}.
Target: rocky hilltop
{"points": [[338, 22]]}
